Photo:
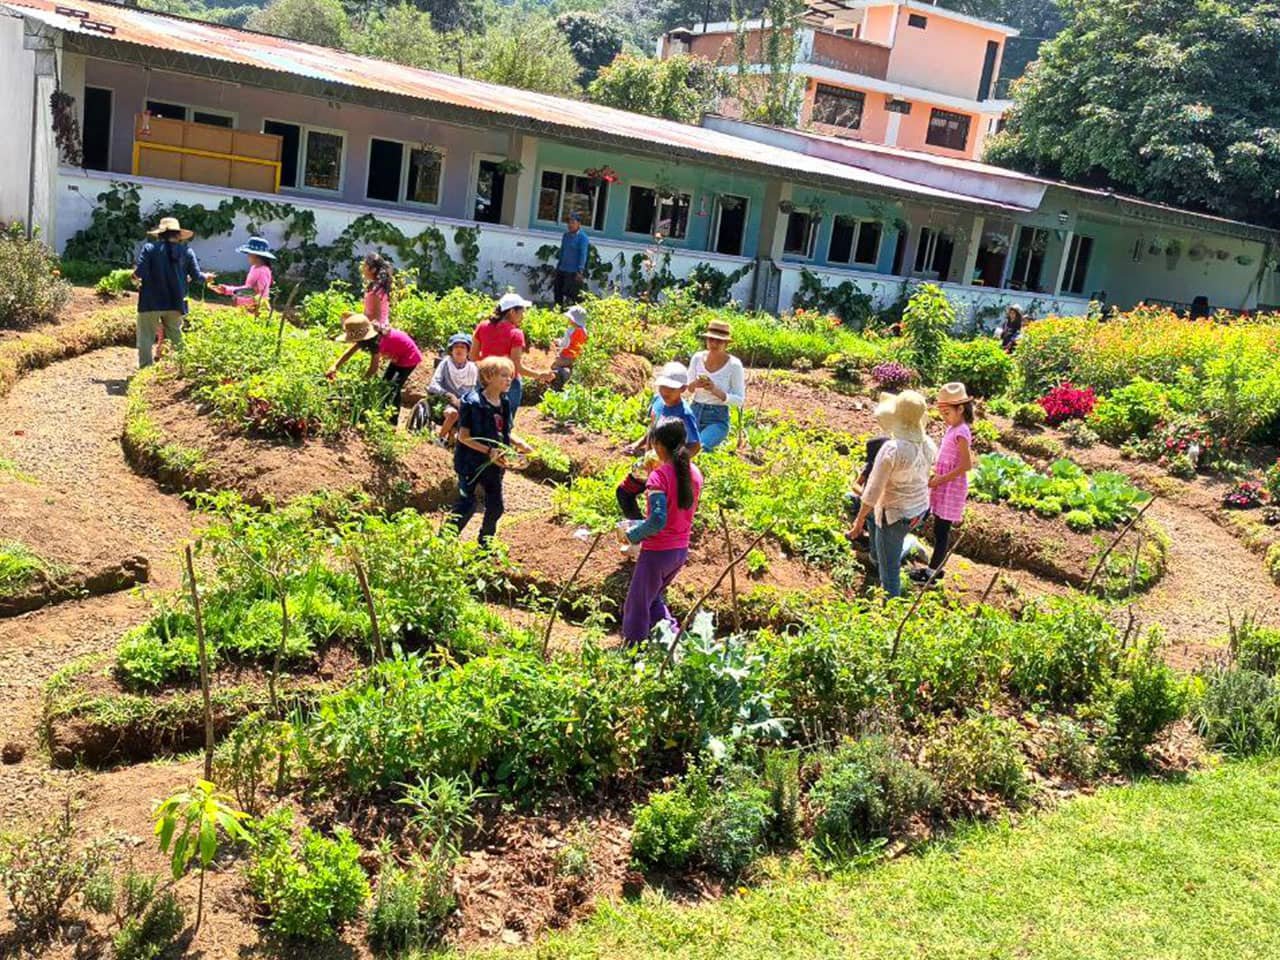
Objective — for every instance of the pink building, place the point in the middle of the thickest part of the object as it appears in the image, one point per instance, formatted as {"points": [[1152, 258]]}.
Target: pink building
{"points": [[905, 74]]}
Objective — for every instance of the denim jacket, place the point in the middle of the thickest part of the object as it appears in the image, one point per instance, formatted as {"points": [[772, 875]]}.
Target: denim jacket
{"points": [[164, 269]]}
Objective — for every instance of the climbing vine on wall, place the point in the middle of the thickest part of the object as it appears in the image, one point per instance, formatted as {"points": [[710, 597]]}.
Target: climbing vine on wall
{"points": [[541, 275], [845, 300], [66, 127], [117, 228]]}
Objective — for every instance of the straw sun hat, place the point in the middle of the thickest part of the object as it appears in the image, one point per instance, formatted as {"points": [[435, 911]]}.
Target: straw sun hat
{"points": [[168, 224], [903, 415], [718, 330], [356, 328], [952, 395]]}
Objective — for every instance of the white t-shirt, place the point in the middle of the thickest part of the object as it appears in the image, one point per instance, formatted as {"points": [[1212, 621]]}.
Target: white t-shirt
{"points": [[731, 378]]}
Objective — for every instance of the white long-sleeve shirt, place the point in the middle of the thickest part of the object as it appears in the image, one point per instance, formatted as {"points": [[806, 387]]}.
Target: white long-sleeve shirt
{"points": [[731, 378], [899, 483], [449, 378]]}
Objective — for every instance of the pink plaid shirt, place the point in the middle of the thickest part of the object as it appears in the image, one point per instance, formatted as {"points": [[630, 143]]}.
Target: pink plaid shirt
{"points": [[947, 499]]}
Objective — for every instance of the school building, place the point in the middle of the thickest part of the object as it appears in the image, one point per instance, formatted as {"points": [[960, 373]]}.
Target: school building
{"points": [[193, 113]]}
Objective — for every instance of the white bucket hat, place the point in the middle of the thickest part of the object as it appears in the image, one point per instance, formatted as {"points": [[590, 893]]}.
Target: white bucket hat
{"points": [[673, 375], [903, 415]]}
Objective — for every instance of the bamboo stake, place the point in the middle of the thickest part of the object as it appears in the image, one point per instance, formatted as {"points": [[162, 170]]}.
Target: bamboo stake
{"points": [[204, 667], [378, 648], [733, 576], [915, 604], [990, 586], [1120, 536], [555, 608]]}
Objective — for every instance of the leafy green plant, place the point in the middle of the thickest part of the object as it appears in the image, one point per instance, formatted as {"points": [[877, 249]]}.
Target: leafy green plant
{"points": [[147, 924], [1134, 410], [33, 290], [1239, 712], [1108, 498], [411, 904], [442, 810], [1029, 416], [115, 284], [1255, 647], [1068, 749], [981, 365], [844, 300], [926, 322], [20, 566], [665, 830], [310, 889], [574, 858], [246, 758], [734, 828], [187, 828], [980, 754], [1145, 698]]}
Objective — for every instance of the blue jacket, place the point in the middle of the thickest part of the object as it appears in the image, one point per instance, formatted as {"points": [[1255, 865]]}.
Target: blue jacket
{"points": [[164, 269], [573, 252]]}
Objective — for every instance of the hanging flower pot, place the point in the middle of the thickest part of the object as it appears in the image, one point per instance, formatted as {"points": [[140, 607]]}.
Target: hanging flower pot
{"points": [[1244, 260], [1223, 254], [786, 206]]}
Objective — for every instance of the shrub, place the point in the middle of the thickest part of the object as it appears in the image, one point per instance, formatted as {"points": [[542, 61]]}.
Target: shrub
{"points": [[1029, 416], [1256, 647], [981, 365], [1145, 698], [926, 321], [42, 870], [892, 376], [1080, 434], [1132, 411], [1273, 481], [411, 905], [1062, 652], [979, 754], [1244, 496], [310, 890], [1239, 712], [149, 925], [665, 831], [1066, 402], [734, 827], [33, 290], [985, 436], [1067, 749], [867, 790]]}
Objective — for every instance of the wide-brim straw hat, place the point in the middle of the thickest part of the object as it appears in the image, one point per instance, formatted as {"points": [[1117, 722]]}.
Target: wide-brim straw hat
{"points": [[952, 395], [903, 415], [718, 330], [170, 224], [356, 329]]}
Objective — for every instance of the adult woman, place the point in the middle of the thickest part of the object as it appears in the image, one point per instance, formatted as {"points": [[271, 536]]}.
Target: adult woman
{"points": [[897, 491], [1011, 329], [672, 498], [500, 336], [717, 383]]}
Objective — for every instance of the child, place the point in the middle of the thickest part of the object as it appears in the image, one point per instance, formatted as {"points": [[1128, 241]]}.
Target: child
{"points": [[949, 485], [402, 354], [378, 279], [256, 288], [667, 405], [484, 433], [663, 536], [570, 346], [454, 377]]}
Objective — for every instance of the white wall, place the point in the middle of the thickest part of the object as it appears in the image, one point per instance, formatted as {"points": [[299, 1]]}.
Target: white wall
{"points": [[17, 71]]}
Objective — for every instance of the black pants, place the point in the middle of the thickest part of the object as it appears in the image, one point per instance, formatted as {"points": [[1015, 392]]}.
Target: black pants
{"points": [[628, 494], [396, 378], [489, 479], [567, 288], [941, 542]]}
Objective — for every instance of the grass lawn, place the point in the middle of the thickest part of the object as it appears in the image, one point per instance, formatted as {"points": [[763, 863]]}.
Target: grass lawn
{"points": [[1156, 870]]}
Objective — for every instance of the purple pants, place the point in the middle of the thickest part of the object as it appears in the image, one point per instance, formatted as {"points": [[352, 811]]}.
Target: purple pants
{"points": [[646, 604]]}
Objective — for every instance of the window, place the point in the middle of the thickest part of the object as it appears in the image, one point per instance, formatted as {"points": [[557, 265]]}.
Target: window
{"points": [[167, 111], [397, 175], [838, 107], [988, 70], [322, 162], [560, 192], [894, 105], [1028, 259], [1078, 263], [933, 254], [291, 135], [211, 119], [801, 233], [731, 225], [179, 111], [423, 182], [649, 214], [96, 143], [947, 129], [385, 159], [491, 185], [854, 241], [918, 21]]}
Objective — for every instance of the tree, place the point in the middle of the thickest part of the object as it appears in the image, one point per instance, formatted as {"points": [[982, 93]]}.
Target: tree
{"points": [[530, 53], [1040, 19], [681, 88], [775, 94], [1173, 100], [449, 15], [404, 34], [595, 42], [322, 22]]}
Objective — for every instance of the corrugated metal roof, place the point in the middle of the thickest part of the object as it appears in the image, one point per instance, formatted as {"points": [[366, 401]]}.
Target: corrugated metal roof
{"points": [[576, 118]]}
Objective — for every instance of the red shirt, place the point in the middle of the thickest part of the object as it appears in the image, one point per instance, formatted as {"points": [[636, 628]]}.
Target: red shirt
{"points": [[497, 339], [398, 347], [675, 535]]}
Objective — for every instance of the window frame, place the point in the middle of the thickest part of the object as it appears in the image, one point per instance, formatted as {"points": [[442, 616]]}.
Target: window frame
{"points": [[189, 110], [473, 194], [1073, 263], [918, 20], [840, 93], [713, 237], [811, 242], [111, 121], [929, 269], [853, 245], [1010, 277], [950, 116], [597, 213], [658, 201], [304, 129], [402, 189]]}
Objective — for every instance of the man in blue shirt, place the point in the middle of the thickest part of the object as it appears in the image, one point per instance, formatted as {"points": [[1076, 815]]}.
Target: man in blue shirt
{"points": [[165, 266], [572, 264]]}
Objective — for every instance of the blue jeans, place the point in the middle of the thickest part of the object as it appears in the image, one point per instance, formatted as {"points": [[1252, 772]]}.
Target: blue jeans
{"points": [[886, 543], [515, 393], [713, 423]]}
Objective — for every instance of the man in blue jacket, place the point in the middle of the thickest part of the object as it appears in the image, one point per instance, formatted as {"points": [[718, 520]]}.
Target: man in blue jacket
{"points": [[165, 266], [572, 264]]}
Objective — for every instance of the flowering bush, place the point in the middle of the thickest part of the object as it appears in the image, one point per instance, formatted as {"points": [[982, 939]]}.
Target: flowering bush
{"points": [[1067, 402], [893, 376], [1245, 496], [1186, 436]]}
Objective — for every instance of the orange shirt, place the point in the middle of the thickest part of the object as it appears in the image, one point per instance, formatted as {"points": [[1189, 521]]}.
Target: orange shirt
{"points": [[572, 342]]}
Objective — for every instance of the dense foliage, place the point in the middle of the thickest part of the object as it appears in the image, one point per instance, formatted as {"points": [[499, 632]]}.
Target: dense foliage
{"points": [[33, 290], [1099, 500]]}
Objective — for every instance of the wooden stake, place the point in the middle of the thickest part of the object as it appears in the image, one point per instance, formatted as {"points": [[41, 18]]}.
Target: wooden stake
{"points": [[987, 592], [204, 667], [378, 649], [897, 637], [1120, 536], [733, 576], [555, 608], [284, 316]]}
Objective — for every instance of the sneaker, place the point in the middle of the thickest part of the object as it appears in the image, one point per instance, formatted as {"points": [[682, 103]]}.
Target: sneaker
{"points": [[925, 575]]}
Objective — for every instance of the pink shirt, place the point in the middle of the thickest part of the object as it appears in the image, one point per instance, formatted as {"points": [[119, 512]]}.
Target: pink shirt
{"points": [[377, 308], [258, 279], [497, 339], [398, 347], [947, 499], [675, 535]]}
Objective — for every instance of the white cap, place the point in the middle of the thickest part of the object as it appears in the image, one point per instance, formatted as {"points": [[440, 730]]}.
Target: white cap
{"points": [[510, 301], [577, 315], [673, 375]]}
